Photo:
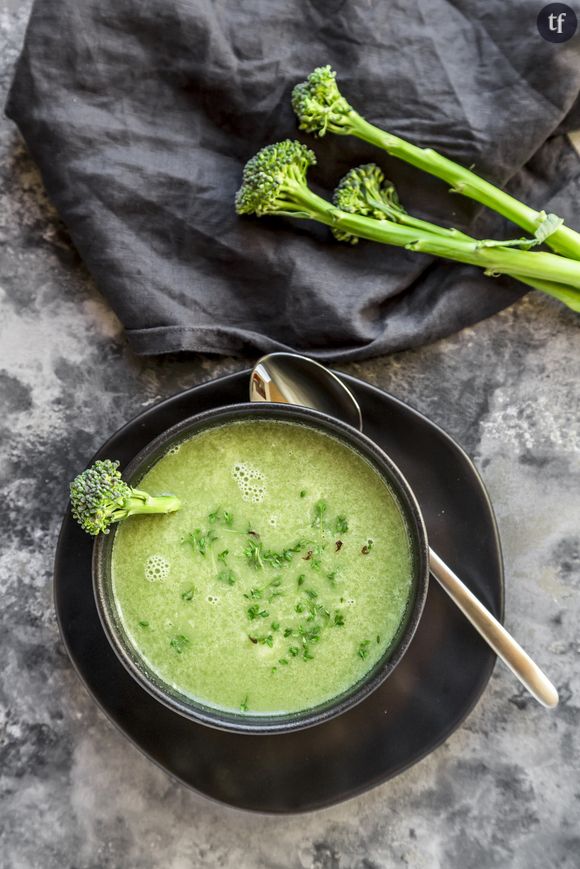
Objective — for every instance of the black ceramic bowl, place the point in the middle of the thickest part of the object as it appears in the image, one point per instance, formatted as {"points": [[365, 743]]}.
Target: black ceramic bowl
{"points": [[247, 723]]}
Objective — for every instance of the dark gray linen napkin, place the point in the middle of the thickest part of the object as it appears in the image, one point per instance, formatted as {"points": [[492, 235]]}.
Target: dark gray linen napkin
{"points": [[141, 114]]}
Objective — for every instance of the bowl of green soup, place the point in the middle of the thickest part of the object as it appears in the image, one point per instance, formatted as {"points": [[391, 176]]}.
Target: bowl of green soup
{"points": [[286, 588]]}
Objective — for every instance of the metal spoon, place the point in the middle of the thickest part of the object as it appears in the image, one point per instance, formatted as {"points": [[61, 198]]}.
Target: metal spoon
{"points": [[292, 379]]}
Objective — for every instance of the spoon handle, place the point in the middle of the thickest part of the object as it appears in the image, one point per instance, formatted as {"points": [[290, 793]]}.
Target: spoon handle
{"points": [[503, 644]]}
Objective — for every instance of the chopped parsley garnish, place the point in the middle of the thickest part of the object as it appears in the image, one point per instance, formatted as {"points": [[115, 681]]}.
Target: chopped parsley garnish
{"points": [[201, 540], [223, 555], [228, 576], [226, 516], [301, 579], [268, 640], [188, 593], [179, 643], [341, 525], [143, 624], [254, 612], [312, 593], [331, 577], [257, 556], [283, 661], [244, 704], [320, 509], [253, 554], [363, 649], [338, 619], [303, 493], [275, 626]]}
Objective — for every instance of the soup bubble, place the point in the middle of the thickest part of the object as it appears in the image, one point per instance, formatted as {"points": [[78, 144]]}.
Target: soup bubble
{"points": [[156, 568]]}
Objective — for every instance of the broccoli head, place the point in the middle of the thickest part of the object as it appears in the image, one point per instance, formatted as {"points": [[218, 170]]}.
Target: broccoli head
{"points": [[99, 496], [274, 180], [320, 106], [364, 190]]}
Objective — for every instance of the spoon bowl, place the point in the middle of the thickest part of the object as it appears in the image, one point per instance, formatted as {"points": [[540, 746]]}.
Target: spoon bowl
{"points": [[287, 378]]}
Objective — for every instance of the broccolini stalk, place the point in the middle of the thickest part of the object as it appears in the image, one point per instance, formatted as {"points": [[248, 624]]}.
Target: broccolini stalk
{"points": [[321, 108], [99, 497], [274, 183], [365, 190]]}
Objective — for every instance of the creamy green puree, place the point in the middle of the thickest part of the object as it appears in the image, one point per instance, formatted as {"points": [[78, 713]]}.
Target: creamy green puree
{"points": [[282, 579]]}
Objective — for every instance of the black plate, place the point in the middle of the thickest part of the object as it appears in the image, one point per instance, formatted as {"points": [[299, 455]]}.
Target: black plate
{"points": [[438, 682]]}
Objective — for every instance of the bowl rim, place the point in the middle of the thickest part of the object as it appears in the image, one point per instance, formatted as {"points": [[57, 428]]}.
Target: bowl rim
{"points": [[263, 724]]}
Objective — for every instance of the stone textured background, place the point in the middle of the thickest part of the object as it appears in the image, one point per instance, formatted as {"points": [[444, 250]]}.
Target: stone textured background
{"points": [[502, 792]]}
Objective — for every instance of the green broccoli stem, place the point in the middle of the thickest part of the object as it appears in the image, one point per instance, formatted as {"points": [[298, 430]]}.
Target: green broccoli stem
{"points": [[567, 295], [563, 240], [495, 260], [139, 502], [401, 216], [558, 291]]}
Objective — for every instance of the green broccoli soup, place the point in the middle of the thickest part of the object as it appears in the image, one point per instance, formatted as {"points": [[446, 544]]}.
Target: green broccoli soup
{"points": [[282, 579]]}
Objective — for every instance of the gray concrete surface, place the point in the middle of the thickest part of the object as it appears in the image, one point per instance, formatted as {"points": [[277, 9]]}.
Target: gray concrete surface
{"points": [[501, 792]]}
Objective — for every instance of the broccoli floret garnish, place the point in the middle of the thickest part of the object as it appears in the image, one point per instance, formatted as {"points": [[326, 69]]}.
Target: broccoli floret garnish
{"points": [[320, 106], [274, 181], [99, 496]]}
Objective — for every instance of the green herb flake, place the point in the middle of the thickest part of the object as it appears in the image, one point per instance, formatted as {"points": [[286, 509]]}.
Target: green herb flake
{"points": [[293, 651], [200, 540], [312, 593], [338, 619], [303, 493], [306, 655], [179, 643], [332, 578], [223, 555], [188, 594], [284, 661], [363, 649], [244, 704], [341, 525], [288, 632], [253, 554], [275, 626], [320, 509], [228, 518], [227, 576], [214, 516], [143, 624], [254, 612]]}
